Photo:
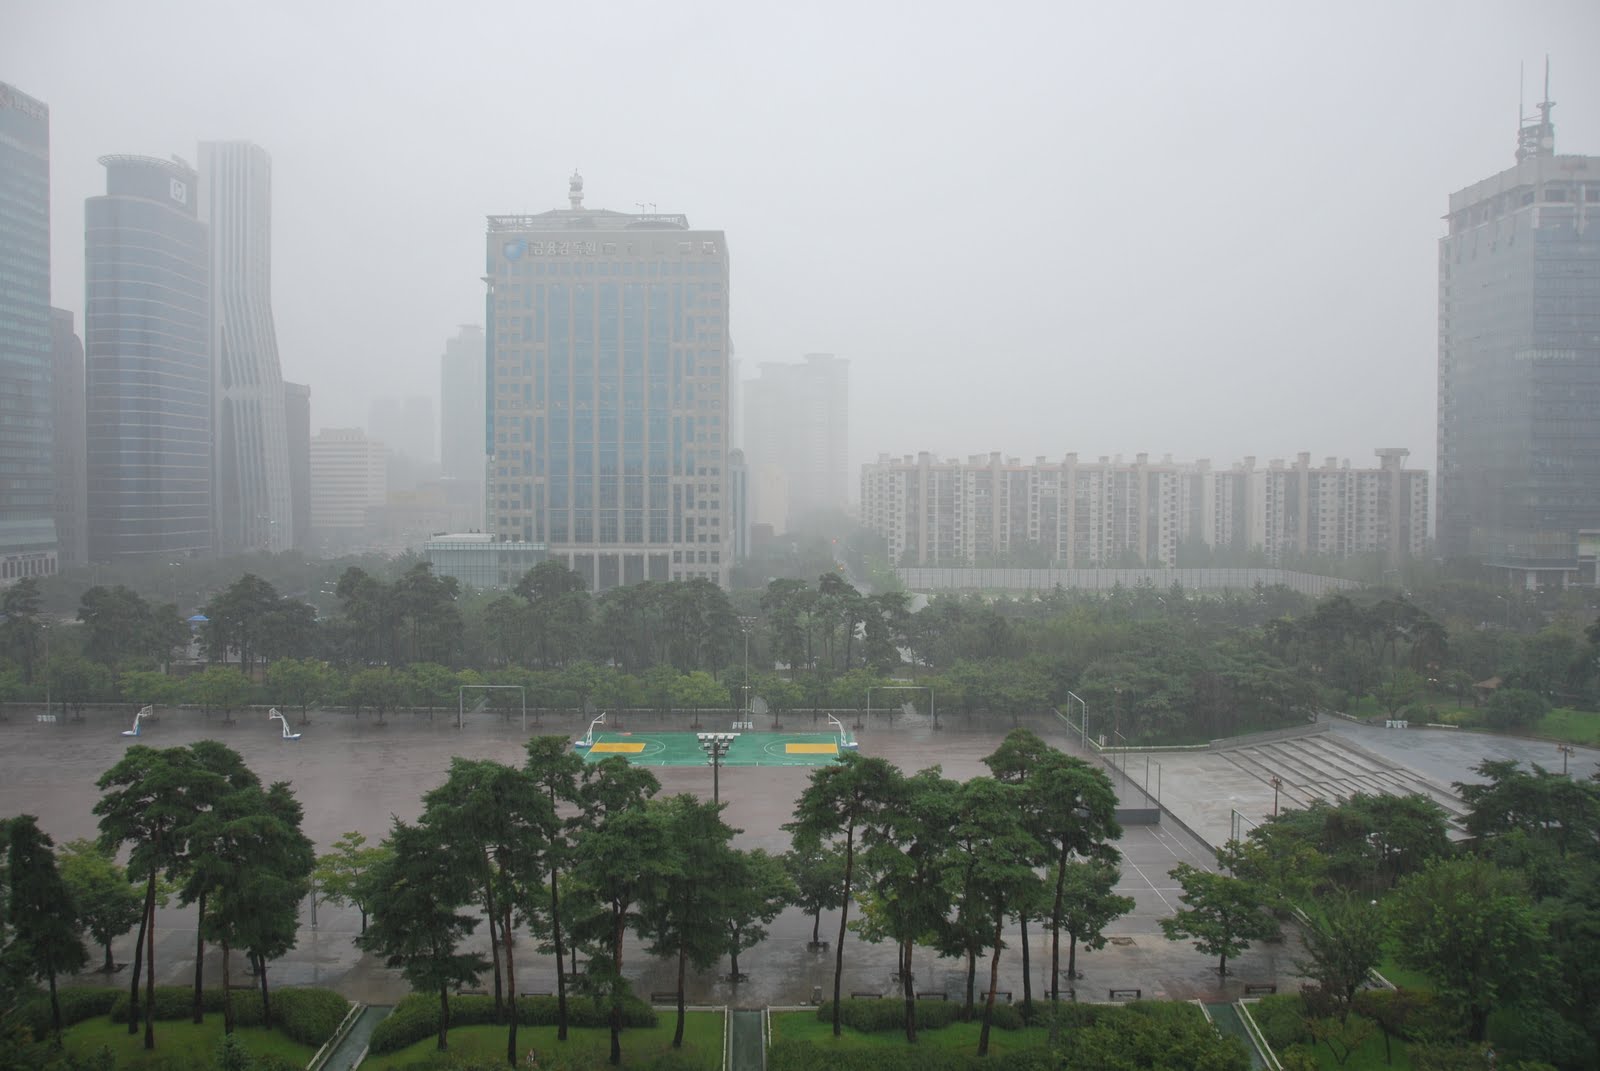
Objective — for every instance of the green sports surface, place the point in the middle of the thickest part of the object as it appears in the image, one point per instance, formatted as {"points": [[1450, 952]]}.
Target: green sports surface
{"points": [[683, 749]]}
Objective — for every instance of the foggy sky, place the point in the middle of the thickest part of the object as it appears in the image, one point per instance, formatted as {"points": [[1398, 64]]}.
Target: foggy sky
{"points": [[1200, 229]]}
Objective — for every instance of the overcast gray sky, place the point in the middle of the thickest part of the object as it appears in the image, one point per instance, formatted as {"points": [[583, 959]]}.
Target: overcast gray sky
{"points": [[1199, 229]]}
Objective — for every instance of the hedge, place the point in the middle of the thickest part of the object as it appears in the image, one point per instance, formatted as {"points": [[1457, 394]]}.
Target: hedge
{"points": [[304, 1014], [1282, 1019], [885, 1014], [417, 1017], [805, 1056], [78, 1003]]}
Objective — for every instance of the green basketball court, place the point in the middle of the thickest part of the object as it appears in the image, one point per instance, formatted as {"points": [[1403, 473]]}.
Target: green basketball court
{"points": [[748, 749]]}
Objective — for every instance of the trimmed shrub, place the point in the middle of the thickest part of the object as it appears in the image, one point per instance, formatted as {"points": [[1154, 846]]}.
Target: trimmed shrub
{"points": [[78, 1003], [417, 1017], [802, 1056], [307, 1015], [888, 1014], [1282, 1019]]}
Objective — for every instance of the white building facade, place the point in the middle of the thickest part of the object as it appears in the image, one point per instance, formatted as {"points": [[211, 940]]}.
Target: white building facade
{"points": [[349, 477]]}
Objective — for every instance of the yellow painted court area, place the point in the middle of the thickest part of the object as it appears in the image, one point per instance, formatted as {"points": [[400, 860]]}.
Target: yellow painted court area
{"points": [[810, 749], [617, 747]]}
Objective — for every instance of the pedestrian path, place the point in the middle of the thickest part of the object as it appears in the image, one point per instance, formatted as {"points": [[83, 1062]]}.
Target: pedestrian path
{"points": [[348, 1053], [748, 1042], [1225, 1017]]}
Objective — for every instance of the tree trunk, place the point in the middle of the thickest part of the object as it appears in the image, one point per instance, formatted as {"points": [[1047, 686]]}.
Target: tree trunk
{"points": [[1055, 932], [994, 981], [844, 916], [618, 916], [683, 959], [198, 1012], [972, 976], [1072, 960], [1222, 965], [138, 955], [150, 972], [266, 1006], [444, 1019], [111, 964], [908, 987], [816, 927], [227, 991], [733, 955], [494, 944], [1027, 968], [511, 990], [55, 1002], [561, 977]]}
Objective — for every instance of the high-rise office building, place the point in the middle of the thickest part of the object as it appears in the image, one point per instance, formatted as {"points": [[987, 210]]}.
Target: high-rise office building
{"points": [[462, 451], [1519, 363], [797, 439], [254, 506], [147, 343], [349, 478], [608, 392], [297, 428], [71, 476], [27, 493], [406, 425]]}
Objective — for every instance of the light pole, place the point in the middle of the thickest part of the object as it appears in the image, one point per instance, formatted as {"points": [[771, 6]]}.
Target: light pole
{"points": [[1116, 727], [1083, 719], [175, 567], [1566, 750], [745, 625], [716, 745], [1276, 783]]}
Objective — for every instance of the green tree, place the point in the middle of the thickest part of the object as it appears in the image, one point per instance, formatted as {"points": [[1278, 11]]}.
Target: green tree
{"points": [[149, 687], [40, 909], [108, 906], [431, 685], [1470, 927], [21, 632], [696, 691], [299, 682], [684, 906], [1088, 903], [236, 620], [817, 871], [345, 874], [757, 891], [558, 613], [379, 689], [117, 625], [75, 681], [1515, 708], [623, 844], [149, 798], [846, 802], [417, 924], [1343, 947], [1224, 914], [218, 689], [556, 772]]}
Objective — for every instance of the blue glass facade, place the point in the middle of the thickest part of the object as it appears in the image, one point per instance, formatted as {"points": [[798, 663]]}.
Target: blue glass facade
{"points": [[147, 340], [27, 489], [607, 359], [1519, 368]]}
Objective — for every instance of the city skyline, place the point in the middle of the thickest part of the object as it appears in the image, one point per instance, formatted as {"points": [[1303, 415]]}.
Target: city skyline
{"points": [[1197, 306]]}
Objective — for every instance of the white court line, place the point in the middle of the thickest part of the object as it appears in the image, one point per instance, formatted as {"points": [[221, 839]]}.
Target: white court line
{"points": [[1137, 870]]}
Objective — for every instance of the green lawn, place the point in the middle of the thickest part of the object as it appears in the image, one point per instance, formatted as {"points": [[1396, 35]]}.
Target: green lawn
{"points": [[961, 1037], [1367, 1057], [702, 1037], [179, 1039], [1569, 726]]}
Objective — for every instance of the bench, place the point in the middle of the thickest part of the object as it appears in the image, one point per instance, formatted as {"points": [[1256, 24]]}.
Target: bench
{"points": [[1003, 994], [1259, 989], [861, 994], [933, 996], [541, 993], [664, 998], [1126, 994]]}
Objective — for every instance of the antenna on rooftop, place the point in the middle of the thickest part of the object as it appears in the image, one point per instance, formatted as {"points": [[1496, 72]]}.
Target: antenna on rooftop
{"points": [[1536, 136]]}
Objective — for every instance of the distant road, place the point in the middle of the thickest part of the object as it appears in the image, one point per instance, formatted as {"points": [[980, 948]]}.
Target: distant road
{"points": [[1448, 755]]}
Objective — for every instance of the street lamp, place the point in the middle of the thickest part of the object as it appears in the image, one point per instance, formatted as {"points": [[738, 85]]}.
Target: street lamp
{"points": [[745, 625], [716, 745], [1276, 783], [1083, 719], [1566, 750]]}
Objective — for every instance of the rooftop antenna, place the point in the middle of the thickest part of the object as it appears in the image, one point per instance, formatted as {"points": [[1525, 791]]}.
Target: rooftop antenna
{"points": [[1536, 137], [641, 205]]}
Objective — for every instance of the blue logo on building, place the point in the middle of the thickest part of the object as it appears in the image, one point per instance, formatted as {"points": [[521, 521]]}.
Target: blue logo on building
{"points": [[514, 249]]}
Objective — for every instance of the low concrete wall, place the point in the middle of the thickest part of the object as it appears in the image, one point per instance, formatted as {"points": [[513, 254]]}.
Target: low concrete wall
{"points": [[1139, 816], [1310, 728]]}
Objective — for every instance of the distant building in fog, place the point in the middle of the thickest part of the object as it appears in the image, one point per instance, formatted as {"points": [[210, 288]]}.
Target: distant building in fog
{"points": [[407, 426], [1108, 513], [71, 472], [297, 429], [147, 343], [252, 496], [348, 479], [1519, 364], [797, 438], [27, 494], [462, 403]]}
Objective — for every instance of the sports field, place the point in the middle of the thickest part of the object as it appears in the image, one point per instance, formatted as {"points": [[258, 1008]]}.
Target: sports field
{"points": [[747, 749]]}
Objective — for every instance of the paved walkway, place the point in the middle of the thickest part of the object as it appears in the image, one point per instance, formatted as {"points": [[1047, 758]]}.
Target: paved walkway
{"points": [[354, 1046]]}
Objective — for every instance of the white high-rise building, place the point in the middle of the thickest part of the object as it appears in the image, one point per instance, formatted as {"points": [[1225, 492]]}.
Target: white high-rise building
{"points": [[462, 450], [797, 439], [253, 501], [349, 476]]}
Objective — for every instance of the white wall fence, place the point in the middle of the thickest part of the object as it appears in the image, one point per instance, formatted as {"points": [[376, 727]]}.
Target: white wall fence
{"points": [[938, 578]]}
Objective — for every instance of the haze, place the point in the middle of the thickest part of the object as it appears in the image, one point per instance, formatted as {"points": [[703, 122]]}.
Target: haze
{"points": [[1201, 230]]}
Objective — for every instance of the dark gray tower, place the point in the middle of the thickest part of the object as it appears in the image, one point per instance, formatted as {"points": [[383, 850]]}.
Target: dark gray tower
{"points": [[1519, 363], [147, 339]]}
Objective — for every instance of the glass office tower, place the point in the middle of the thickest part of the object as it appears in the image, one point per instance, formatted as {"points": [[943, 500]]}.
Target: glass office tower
{"points": [[27, 489], [1519, 364], [606, 394], [147, 341]]}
